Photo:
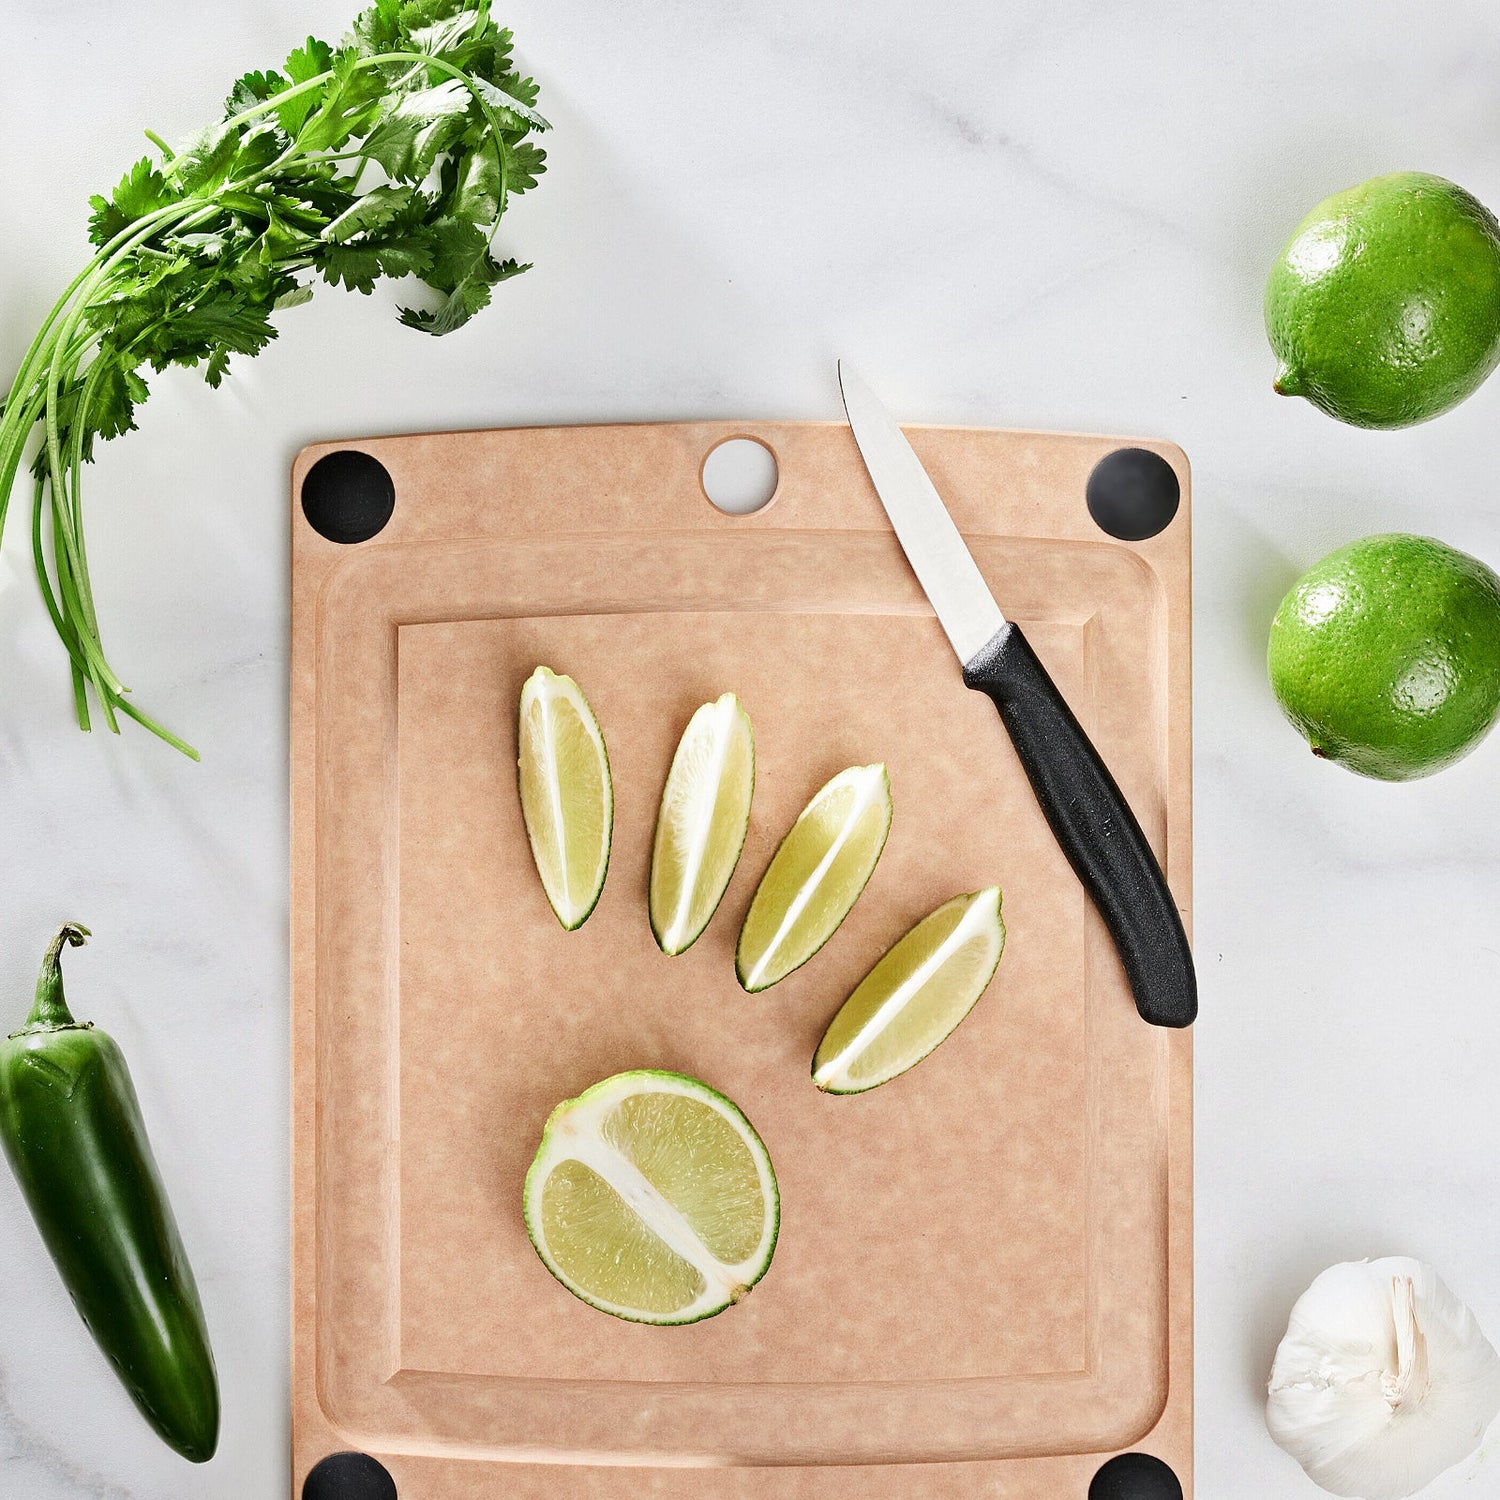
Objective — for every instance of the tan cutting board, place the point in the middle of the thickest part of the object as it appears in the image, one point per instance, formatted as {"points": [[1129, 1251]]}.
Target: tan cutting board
{"points": [[983, 1285]]}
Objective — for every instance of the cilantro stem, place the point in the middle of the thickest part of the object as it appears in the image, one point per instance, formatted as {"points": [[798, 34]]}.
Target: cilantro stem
{"points": [[74, 488], [14, 433], [109, 254], [130, 711], [73, 578], [60, 625], [69, 602], [71, 607]]}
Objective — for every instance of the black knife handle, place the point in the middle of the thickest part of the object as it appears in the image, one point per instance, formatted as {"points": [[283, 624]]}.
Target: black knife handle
{"points": [[1094, 826]]}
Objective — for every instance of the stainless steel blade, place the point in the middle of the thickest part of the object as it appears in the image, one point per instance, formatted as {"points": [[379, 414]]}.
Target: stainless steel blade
{"points": [[944, 567]]}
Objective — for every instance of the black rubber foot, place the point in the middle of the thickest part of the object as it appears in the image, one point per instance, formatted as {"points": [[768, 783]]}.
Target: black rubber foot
{"points": [[1133, 493], [348, 496], [1135, 1476], [349, 1476]]}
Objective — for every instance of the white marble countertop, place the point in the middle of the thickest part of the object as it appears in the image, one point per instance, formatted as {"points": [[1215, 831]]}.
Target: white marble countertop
{"points": [[1036, 215]]}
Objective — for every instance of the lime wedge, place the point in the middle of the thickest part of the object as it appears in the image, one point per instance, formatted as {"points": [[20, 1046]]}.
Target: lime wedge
{"points": [[815, 876], [914, 997], [652, 1198], [700, 830], [566, 795]]}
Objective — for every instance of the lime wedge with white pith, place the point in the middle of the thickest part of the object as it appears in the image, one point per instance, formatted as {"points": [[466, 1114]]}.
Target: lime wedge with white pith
{"points": [[700, 830], [652, 1198], [816, 876], [566, 795], [914, 997]]}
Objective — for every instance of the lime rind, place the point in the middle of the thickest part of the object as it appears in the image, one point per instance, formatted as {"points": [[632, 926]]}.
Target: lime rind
{"points": [[575, 1133], [925, 995], [779, 956], [692, 861], [1385, 655], [544, 807], [1383, 308]]}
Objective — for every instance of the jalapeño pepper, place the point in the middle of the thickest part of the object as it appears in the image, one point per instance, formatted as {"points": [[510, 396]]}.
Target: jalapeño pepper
{"points": [[71, 1126]]}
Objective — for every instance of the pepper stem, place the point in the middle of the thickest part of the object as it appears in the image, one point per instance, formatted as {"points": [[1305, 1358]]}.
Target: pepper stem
{"points": [[51, 1007]]}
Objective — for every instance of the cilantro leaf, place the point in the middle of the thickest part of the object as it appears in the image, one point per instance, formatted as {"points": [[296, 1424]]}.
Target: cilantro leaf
{"points": [[423, 15], [348, 105], [512, 112], [384, 234], [283, 241], [525, 163], [379, 207], [260, 145], [309, 60], [306, 63], [196, 331], [253, 89], [359, 265], [459, 252], [115, 395], [439, 35], [470, 180], [378, 29], [524, 89], [489, 57], [410, 136], [464, 271], [206, 164], [142, 191], [216, 367]]}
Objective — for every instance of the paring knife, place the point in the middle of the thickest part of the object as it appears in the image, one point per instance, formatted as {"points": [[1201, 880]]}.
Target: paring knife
{"points": [[1092, 821]]}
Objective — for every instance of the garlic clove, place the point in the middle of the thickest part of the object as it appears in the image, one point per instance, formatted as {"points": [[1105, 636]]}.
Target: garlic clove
{"points": [[1383, 1380]]}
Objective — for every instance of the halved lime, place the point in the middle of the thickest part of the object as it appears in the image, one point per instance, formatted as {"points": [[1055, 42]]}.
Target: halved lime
{"points": [[700, 830], [815, 877], [652, 1198], [567, 798], [914, 997]]}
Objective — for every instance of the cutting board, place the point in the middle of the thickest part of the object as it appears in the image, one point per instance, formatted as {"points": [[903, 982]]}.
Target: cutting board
{"points": [[983, 1285]]}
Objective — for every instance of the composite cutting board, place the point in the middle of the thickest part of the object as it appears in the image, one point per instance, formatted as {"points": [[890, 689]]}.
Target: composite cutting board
{"points": [[983, 1285]]}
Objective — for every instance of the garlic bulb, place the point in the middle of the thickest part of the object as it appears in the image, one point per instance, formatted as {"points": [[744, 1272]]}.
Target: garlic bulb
{"points": [[1382, 1381]]}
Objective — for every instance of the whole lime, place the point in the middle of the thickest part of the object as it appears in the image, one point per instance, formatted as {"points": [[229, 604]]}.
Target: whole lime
{"points": [[1384, 307], [1386, 655]]}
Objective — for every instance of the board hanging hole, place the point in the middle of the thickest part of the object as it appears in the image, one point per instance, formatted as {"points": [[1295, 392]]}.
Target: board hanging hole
{"points": [[1133, 494], [349, 1476], [740, 476], [1135, 1476], [348, 496]]}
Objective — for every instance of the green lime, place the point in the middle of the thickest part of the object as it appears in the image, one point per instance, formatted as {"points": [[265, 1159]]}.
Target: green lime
{"points": [[1384, 307], [701, 827], [914, 997], [652, 1198], [815, 876], [1386, 655], [567, 798]]}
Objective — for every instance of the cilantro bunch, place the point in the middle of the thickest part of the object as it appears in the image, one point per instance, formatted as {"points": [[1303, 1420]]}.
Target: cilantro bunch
{"points": [[394, 154]]}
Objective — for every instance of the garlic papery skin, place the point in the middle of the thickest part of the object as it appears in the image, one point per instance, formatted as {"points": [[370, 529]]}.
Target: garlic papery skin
{"points": [[1383, 1380]]}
